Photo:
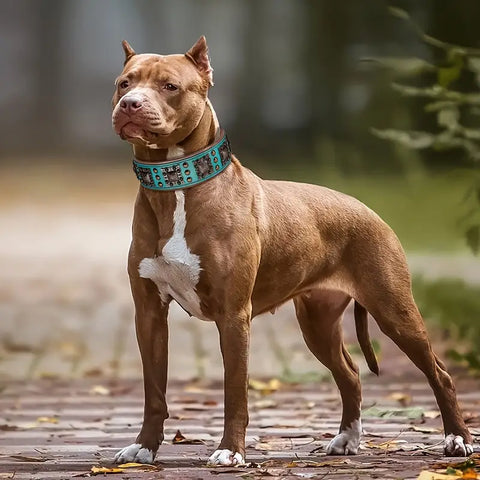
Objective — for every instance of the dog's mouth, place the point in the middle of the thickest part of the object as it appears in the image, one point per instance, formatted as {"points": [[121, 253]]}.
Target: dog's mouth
{"points": [[131, 130]]}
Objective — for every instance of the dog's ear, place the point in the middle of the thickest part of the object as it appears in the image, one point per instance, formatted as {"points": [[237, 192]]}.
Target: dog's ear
{"points": [[129, 51], [198, 54]]}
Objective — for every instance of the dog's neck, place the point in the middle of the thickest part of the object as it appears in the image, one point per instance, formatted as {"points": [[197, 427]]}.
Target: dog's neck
{"points": [[203, 135]]}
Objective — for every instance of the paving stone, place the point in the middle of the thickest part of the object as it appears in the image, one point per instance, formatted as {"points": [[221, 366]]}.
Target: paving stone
{"points": [[30, 448]]}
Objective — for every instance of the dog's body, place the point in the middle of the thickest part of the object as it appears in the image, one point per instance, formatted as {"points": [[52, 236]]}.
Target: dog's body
{"points": [[235, 246]]}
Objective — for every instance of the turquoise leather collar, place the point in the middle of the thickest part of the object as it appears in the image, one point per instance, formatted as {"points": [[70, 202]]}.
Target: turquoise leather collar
{"points": [[186, 171]]}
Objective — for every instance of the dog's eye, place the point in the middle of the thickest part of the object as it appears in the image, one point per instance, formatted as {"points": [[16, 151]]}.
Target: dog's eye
{"points": [[170, 87], [124, 84]]}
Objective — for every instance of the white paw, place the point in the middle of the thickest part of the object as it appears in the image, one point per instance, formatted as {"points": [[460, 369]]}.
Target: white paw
{"points": [[225, 457], [134, 453], [347, 441], [455, 446]]}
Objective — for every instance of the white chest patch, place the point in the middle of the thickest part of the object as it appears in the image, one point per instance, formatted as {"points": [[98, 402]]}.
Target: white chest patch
{"points": [[177, 271]]}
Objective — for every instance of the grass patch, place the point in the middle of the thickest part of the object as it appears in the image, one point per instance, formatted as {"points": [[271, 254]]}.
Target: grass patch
{"points": [[454, 306]]}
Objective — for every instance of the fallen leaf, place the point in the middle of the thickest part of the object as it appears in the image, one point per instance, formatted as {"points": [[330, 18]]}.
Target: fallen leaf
{"points": [[140, 466], [263, 446], [11, 346], [426, 475], [456, 468], [414, 428], [47, 420], [265, 403], [71, 350], [390, 445], [99, 390], [8, 428], [431, 414], [385, 412], [465, 466], [97, 470], [179, 438], [264, 388], [404, 399]]}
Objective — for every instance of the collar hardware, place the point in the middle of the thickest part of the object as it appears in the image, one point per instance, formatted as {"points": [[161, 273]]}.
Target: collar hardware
{"points": [[187, 171]]}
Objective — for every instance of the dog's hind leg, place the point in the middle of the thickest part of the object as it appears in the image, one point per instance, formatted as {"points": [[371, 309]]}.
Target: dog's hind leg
{"points": [[319, 314], [391, 304]]}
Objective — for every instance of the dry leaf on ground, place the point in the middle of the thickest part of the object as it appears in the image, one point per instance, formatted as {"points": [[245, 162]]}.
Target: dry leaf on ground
{"points": [[99, 390], [404, 399], [389, 412], [142, 467], [179, 438], [426, 475], [8, 428], [431, 414], [47, 420], [265, 403], [390, 445], [104, 470], [414, 428], [264, 388]]}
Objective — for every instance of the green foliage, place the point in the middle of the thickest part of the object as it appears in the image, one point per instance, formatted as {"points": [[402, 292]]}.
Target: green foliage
{"points": [[455, 110], [453, 305]]}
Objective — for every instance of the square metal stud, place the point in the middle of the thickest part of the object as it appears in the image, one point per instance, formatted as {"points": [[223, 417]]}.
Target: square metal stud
{"points": [[203, 166]]}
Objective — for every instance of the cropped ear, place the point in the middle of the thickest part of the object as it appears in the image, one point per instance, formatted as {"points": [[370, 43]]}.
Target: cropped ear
{"points": [[198, 54], [129, 51]]}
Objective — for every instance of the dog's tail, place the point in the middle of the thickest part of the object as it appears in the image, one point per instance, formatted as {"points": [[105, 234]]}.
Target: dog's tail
{"points": [[361, 325]]}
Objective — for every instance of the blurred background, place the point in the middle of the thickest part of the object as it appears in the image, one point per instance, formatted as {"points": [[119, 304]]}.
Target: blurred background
{"points": [[352, 95]]}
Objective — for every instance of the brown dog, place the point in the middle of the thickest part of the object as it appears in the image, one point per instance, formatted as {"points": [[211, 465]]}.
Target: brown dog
{"points": [[232, 246]]}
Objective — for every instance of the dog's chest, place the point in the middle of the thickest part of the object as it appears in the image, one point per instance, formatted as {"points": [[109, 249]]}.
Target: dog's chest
{"points": [[176, 272]]}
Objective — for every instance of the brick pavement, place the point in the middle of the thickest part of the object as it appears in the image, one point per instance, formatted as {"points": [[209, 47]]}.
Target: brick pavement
{"points": [[55, 429]]}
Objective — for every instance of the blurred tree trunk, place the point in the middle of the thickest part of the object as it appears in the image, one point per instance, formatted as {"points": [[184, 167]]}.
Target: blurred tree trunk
{"points": [[47, 109], [251, 82], [327, 25]]}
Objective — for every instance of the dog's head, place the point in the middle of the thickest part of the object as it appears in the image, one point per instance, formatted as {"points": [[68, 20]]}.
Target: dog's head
{"points": [[160, 99]]}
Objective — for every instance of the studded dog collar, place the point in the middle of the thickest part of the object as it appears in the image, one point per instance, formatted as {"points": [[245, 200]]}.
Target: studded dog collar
{"points": [[185, 172]]}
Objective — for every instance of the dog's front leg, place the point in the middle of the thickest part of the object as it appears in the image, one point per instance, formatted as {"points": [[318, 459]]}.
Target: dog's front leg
{"points": [[152, 336], [234, 343]]}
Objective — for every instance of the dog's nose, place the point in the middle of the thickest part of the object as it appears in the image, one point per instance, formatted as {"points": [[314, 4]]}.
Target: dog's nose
{"points": [[131, 104]]}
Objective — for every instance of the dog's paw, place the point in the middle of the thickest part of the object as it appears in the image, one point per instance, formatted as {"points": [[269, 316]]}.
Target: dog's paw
{"points": [[134, 453], [226, 457], [343, 444], [347, 441], [455, 446]]}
